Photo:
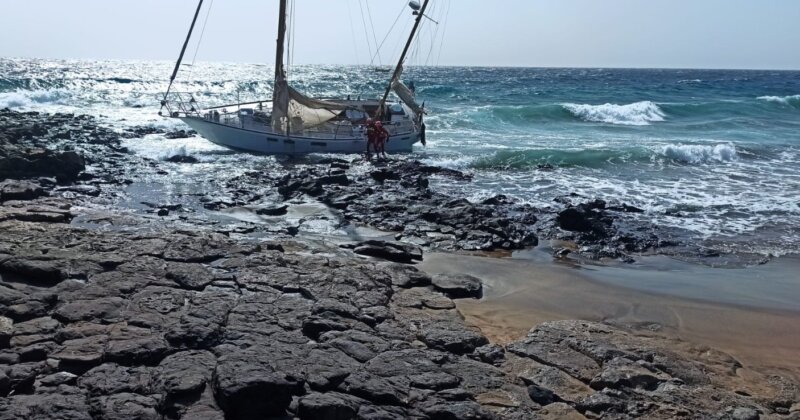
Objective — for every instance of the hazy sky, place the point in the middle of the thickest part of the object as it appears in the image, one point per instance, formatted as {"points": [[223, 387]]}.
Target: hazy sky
{"points": [[583, 33]]}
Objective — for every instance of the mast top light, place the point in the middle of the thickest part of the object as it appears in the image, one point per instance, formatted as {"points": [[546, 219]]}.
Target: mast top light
{"points": [[414, 5]]}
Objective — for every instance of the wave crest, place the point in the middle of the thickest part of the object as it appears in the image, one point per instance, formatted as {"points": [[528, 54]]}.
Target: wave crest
{"points": [[791, 100], [682, 154], [637, 113], [699, 153]]}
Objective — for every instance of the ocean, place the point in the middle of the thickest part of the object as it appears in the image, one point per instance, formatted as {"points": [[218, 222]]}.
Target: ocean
{"points": [[713, 154]]}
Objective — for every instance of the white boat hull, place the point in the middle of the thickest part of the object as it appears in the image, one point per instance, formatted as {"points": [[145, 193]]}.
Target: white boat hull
{"points": [[269, 143]]}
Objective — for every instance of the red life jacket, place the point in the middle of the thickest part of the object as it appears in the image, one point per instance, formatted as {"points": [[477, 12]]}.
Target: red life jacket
{"points": [[372, 132]]}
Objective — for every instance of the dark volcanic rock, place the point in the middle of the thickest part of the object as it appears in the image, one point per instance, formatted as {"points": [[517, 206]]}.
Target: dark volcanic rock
{"points": [[330, 406], [65, 166], [20, 190], [272, 211], [458, 285], [541, 395], [182, 159], [392, 251], [125, 406], [179, 134], [145, 321], [248, 387], [201, 326], [585, 219]]}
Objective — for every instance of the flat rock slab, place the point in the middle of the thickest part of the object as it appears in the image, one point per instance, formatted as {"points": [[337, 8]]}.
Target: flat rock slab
{"points": [[20, 190], [458, 285]]}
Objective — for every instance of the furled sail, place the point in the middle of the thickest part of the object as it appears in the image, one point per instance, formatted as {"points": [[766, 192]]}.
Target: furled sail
{"points": [[407, 96], [299, 110]]}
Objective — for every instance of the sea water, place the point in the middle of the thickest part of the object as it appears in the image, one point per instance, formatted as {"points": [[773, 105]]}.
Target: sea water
{"points": [[713, 153]]}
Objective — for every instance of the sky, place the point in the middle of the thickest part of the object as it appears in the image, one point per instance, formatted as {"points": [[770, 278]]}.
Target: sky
{"points": [[760, 34]]}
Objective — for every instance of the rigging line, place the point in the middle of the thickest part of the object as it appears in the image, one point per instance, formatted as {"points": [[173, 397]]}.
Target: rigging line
{"points": [[180, 57], [200, 39], [290, 38], [397, 19], [374, 38], [399, 45], [444, 32], [352, 31], [286, 68], [366, 34], [294, 31], [433, 38]]}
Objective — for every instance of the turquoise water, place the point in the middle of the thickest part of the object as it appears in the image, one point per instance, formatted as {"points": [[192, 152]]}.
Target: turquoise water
{"points": [[713, 152]]}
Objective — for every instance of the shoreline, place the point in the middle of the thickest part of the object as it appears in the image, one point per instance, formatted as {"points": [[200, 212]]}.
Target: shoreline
{"points": [[232, 301], [522, 292]]}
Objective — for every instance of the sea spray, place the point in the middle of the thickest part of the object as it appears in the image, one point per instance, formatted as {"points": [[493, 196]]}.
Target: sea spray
{"points": [[28, 98]]}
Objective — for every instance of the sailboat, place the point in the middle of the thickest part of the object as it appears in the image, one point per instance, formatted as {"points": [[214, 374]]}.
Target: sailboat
{"points": [[291, 123]]}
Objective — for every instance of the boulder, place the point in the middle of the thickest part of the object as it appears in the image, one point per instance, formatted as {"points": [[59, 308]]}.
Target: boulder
{"points": [[451, 337], [458, 285], [389, 250], [182, 159], [272, 211]]}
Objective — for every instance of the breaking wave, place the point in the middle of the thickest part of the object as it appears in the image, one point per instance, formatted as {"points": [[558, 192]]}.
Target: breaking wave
{"points": [[25, 99], [699, 153], [792, 100], [637, 113]]}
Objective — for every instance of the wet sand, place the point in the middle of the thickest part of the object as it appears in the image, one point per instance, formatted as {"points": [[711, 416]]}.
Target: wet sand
{"points": [[752, 314]]}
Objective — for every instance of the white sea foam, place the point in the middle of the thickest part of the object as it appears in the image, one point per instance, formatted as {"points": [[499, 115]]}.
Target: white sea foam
{"points": [[637, 113], [155, 146], [13, 100], [699, 153], [784, 100], [30, 98], [450, 162]]}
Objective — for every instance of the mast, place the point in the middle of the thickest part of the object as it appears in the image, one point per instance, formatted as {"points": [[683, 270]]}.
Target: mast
{"points": [[280, 91], [280, 74], [397, 69], [180, 57]]}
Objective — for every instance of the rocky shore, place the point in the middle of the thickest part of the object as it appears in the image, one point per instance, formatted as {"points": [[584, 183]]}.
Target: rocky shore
{"points": [[166, 311]]}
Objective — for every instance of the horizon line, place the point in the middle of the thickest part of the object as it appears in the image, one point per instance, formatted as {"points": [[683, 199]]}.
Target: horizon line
{"points": [[509, 66]]}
